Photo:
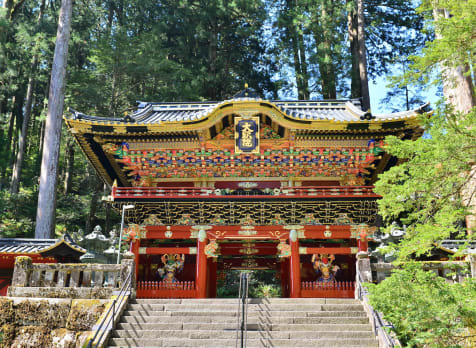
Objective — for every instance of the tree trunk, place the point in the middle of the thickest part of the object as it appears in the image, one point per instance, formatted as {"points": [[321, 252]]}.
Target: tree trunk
{"points": [[355, 89], [304, 73], [326, 63], [107, 222], [45, 216], [364, 82], [15, 184], [458, 92], [11, 124], [97, 185], [68, 177]]}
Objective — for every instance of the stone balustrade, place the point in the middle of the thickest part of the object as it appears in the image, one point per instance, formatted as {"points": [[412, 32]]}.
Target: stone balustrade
{"points": [[67, 280]]}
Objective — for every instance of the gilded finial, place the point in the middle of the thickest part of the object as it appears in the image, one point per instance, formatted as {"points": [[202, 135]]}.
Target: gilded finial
{"points": [[246, 85], [114, 184]]}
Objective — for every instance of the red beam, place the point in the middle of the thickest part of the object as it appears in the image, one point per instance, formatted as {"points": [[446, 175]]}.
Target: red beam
{"points": [[165, 250], [336, 251]]}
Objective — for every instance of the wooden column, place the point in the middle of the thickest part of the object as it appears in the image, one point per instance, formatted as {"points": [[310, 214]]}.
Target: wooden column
{"points": [[201, 266], [362, 240], [295, 271], [135, 250]]}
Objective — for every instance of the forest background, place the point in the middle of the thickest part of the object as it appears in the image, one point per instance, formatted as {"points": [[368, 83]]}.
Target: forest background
{"points": [[188, 50]]}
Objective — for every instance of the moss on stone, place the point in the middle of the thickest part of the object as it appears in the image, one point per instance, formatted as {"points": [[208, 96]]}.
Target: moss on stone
{"points": [[63, 338], [23, 260], [42, 313], [84, 314], [102, 293], [32, 336], [7, 314], [7, 334]]}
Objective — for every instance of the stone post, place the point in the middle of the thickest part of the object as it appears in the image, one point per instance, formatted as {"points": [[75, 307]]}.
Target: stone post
{"points": [[363, 266], [472, 263], [22, 271], [128, 265]]}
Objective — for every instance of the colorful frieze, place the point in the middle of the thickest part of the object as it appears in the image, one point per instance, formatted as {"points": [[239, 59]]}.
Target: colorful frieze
{"points": [[145, 166], [313, 212]]}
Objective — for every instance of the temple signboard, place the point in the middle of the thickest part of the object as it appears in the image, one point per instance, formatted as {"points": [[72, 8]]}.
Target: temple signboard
{"points": [[247, 135]]}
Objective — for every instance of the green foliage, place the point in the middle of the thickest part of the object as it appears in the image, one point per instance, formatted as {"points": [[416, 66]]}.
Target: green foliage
{"points": [[262, 283], [425, 191], [426, 310], [455, 44]]}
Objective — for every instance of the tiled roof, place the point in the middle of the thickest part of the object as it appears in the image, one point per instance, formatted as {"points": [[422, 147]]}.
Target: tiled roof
{"points": [[336, 110], [35, 246], [23, 245], [451, 245]]}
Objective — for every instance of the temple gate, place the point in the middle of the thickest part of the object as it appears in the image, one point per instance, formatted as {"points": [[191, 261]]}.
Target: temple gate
{"points": [[244, 184]]}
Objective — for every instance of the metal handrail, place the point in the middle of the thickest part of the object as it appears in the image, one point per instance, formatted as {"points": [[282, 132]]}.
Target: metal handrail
{"points": [[378, 323], [125, 290], [242, 313]]}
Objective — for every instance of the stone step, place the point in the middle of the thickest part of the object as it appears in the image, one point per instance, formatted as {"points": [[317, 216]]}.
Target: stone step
{"points": [[251, 307], [231, 334], [250, 326], [138, 318], [222, 343], [250, 301], [229, 314]]}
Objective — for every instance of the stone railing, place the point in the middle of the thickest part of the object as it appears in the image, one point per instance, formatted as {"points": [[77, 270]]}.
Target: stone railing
{"points": [[67, 280], [458, 270]]}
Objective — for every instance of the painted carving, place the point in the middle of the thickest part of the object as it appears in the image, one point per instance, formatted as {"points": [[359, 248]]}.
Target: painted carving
{"points": [[185, 219], [173, 264], [212, 249], [247, 220], [324, 267], [343, 219], [284, 249], [132, 233], [217, 220], [277, 219], [309, 219], [153, 220]]}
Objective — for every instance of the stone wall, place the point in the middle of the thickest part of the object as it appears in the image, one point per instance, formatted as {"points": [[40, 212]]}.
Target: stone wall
{"points": [[87, 281], [33, 322]]}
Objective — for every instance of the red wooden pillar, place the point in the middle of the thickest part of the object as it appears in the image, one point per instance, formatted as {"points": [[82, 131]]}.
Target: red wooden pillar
{"points": [[295, 270], [362, 241], [135, 250], [201, 267]]}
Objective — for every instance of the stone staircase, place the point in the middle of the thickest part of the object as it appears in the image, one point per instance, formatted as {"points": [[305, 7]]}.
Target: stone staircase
{"points": [[271, 323]]}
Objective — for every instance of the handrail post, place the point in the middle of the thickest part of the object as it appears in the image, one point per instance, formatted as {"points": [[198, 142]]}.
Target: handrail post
{"points": [[242, 309]]}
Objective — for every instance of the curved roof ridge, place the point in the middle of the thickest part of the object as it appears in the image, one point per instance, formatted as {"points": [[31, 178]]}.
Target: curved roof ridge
{"points": [[402, 114]]}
